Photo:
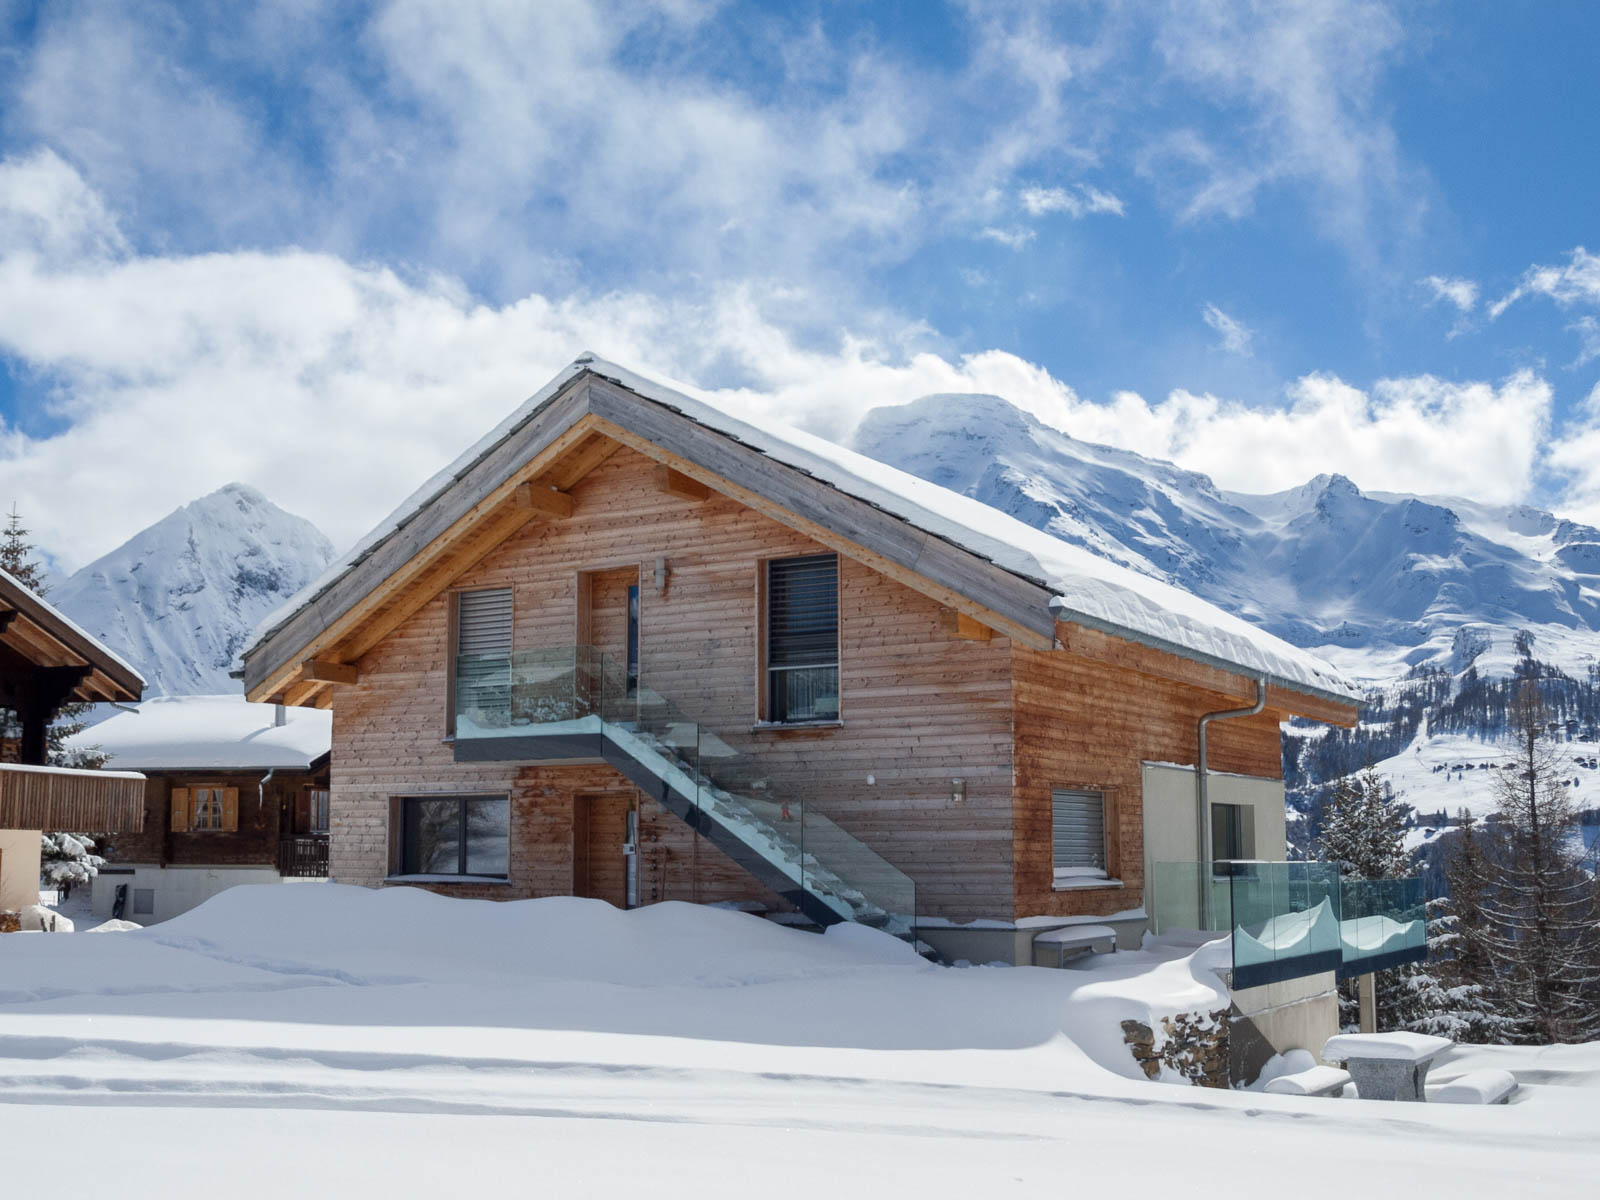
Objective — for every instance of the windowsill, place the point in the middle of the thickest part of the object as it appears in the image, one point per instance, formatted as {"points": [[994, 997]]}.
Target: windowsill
{"points": [[1081, 882], [489, 880], [783, 726]]}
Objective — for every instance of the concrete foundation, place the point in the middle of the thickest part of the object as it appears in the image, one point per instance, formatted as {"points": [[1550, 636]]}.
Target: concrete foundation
{"points": [[1295, 1014], [167, 892]]}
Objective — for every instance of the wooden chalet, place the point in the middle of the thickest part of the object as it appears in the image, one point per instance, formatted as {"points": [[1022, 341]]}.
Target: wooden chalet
{"points": [[233, 793], [47, 662], [635, 647]]}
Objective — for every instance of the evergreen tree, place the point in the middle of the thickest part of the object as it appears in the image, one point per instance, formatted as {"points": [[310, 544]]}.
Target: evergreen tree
{"points": [[1541, 914], [16, 554], [1363, 829]]}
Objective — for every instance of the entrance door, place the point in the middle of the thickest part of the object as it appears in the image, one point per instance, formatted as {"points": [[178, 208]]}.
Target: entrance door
{"points": [[601, 829], [609, 621]]}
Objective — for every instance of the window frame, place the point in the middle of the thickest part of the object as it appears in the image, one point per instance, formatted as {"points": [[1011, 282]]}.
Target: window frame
{"points": [[401, 827], [453, 646], [767, 705], [1240, 822]]}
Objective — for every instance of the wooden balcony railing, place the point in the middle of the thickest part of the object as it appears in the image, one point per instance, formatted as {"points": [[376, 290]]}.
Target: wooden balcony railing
{"points": [[304, 856]]}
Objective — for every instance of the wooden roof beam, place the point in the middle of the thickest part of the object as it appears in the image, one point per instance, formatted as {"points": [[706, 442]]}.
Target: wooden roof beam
{"points": [[542, 501], [325, 670], [676, 483]]}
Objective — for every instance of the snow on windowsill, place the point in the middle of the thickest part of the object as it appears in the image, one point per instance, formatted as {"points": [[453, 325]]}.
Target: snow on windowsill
{"points": [[1073, 883], [489, 880], [790, 726]]}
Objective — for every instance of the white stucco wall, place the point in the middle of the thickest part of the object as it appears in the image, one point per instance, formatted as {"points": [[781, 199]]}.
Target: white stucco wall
{"points": [[1170, 833], [19, 868], [177, 889]]}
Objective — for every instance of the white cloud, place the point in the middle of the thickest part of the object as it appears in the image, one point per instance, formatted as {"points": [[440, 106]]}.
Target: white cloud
{"points": [[1235, 337], [1294, 87], [337, 387], [1575, 456], [1463, 293], [1588, 331], [1011, 239], [1078, 201], [1577, 281]]}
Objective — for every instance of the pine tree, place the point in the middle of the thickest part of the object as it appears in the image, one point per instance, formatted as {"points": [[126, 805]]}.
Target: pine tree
{"points": [[16, 554], [1541, 912], [1363, 829]]}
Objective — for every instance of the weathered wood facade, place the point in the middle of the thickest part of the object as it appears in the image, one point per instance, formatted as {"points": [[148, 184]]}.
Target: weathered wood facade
{"points": [[962, 703]]}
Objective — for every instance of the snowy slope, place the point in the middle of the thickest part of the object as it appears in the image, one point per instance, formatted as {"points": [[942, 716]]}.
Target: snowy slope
{"points": [[1373, 582], [178, 599], [398, 1043]]}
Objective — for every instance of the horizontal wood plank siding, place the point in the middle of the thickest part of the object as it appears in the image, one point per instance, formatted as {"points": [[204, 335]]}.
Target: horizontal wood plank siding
{"points": [[1085, 724], [920, 706]]}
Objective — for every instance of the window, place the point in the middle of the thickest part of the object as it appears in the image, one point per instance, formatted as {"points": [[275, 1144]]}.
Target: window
{"points": [[483, 656], [319, 811], [144, 902], [633, 640], [207, 808], [803, 639], [1232, 832], [455, 835], [1078, 835]]}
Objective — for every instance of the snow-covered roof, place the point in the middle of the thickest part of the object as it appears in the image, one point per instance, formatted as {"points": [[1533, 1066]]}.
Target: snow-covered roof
{"points": [[1087, 589], [66, 622], [179, 733]]}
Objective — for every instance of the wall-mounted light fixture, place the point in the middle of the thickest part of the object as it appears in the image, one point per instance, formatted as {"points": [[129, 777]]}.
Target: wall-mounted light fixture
{"points": [[958, 791], [661, 574]]}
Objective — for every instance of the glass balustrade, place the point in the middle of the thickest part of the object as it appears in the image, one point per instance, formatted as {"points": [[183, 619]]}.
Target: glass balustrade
{"points": [[1290, 919], [552, 696]]}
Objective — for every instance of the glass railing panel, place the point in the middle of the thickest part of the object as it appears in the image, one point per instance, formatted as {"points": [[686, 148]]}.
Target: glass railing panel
{"points": [[1285, 920], [1384, 923], [853, 878]]}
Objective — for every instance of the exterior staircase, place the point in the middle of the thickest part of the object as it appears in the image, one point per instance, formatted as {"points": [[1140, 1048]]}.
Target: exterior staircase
{"points": [[577, 703]]}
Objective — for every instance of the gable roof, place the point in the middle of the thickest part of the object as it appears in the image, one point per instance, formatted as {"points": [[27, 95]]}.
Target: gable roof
{"points": [[46, 638], [177, 733], [1022, 579]]}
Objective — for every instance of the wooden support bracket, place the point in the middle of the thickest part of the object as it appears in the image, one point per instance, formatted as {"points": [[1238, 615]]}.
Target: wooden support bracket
{"points": [[676, 483], [530, 497], [326, 671]]}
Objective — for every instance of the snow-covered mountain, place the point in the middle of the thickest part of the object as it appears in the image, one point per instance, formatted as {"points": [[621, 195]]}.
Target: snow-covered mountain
{"points": [[179, 599], [1376, 582]]}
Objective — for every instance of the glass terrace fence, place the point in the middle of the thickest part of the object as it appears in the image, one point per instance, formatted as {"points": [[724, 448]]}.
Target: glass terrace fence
{"points": [[1290, 919], [576, 702]]}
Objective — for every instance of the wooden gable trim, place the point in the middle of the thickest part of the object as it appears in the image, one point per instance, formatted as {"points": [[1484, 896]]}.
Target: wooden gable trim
{"points": [[379, 593]]}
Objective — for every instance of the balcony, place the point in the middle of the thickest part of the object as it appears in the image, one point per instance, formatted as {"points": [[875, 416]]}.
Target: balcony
{"points": [[304, 856], [1291, 919]]}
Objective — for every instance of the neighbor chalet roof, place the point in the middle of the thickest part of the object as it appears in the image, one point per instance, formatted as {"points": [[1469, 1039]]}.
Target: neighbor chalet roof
{"points": [[44, 638], [1013, 577], [188, 733]]}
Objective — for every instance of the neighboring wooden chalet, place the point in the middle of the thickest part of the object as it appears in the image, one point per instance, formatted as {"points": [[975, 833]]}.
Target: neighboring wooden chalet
{"points": [[634, 647], [47, 662], [234, 793]]}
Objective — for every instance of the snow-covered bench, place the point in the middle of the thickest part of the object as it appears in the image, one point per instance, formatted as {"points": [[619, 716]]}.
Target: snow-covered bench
{"points": [[1313, 1081], [1387, 1066], [1072, 940], [1476, 1087]]}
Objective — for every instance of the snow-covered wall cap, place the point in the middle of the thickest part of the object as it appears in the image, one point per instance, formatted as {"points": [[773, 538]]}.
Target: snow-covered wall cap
{"points": [[69, 623], [187, 733], [1088, 589]]}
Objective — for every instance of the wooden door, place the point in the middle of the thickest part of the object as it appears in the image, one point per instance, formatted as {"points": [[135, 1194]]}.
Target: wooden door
{"points": [[599, 832]]}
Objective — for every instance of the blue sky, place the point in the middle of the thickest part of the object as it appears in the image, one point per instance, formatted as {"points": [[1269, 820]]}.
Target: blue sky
{"points": [[320, 246]]}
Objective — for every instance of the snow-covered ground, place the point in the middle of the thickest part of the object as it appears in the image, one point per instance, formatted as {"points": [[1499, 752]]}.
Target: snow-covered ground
{"points": [[332, 1040]]}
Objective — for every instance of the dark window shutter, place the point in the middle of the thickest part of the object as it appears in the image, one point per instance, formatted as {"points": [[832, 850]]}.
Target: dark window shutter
{"points": [[803, 611], [1078, 830]]}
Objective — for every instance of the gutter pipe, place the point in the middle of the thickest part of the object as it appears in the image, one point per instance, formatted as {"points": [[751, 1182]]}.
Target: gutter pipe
{"points": [[261, 788], [1201, 802]]}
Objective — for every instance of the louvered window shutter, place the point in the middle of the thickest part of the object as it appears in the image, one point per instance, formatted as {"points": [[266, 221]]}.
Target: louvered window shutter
{"points": [[1078, 832], [483, 655], [484, 622], [180, 810], [803, 611]]}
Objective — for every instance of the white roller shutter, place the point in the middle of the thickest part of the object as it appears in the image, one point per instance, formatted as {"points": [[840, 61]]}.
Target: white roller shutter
{"points": [[1078, 832], [484, 622], [483, 655]]}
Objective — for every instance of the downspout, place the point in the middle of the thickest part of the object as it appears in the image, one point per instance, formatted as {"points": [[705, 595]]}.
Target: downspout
{"points": [[261, 788], [1202, 804]]}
